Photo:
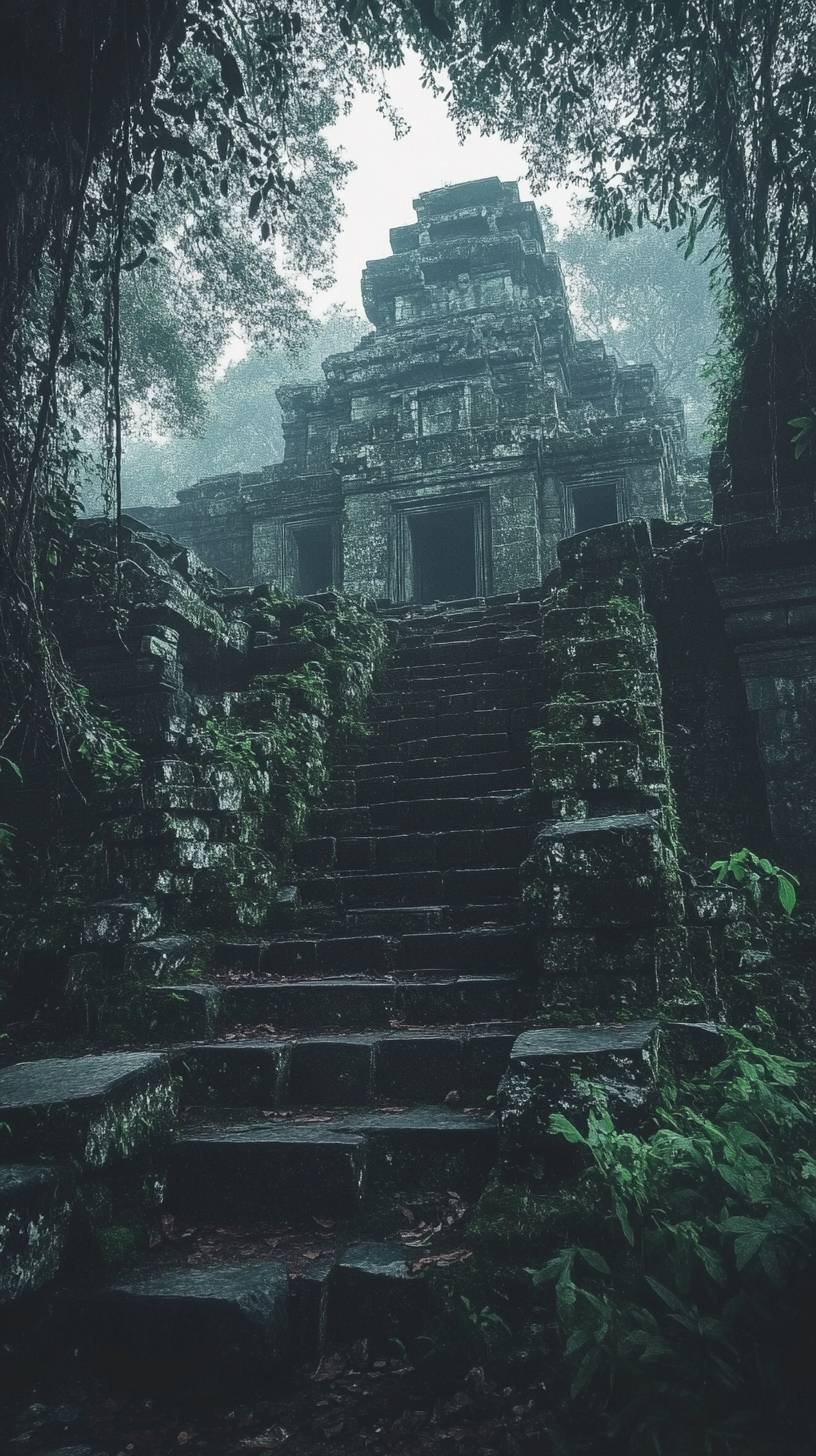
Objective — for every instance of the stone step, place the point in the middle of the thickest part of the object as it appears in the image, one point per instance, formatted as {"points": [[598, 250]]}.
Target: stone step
{"points": [[361, 1003], [222, 1326], [501, 949], [395, 788], [454, 629], [306, 956], [468, 619], [91, 1109], [486, 810], [230, 1327], [458, 848], [432, 650], [349, 1068], [334, 819], [390, 919], [494, 602], [510, 648], [395, 703], [452, 719], [424, 888], [352, 888], [442, 746], [426, 766], [336, 1167], [440, 679], [414, 919], [36, 1205], [497, 949]]}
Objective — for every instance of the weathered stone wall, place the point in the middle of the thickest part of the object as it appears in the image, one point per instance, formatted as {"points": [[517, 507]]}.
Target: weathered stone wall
{"points": [[234, 703]]}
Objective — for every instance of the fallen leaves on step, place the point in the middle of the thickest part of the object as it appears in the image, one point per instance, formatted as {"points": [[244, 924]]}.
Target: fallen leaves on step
{"points": [[449, 1256]]}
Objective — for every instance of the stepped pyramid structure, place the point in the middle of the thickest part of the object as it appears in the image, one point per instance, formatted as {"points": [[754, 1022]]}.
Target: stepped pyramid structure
{"points": [[448, 453]]}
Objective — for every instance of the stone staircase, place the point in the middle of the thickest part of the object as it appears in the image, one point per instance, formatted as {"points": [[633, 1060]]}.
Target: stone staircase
{"points": [[337, 1077], [399, 983]]}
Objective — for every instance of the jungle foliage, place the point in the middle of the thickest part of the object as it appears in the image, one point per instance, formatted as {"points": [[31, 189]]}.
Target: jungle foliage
{"points": [[685, 1312]]}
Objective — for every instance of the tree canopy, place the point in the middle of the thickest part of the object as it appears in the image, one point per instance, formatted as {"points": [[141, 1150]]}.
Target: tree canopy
{"points": [[675, 114]]}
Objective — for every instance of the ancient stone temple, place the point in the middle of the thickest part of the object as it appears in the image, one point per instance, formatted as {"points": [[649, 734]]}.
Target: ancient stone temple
{"points": [[447, 454]]}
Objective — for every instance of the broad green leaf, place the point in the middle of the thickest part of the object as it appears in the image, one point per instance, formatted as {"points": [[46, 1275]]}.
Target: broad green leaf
{"points": [[595, 1260]]}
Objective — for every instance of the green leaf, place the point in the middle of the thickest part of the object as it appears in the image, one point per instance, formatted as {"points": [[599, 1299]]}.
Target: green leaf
{"points": [[787, 894], [595, 1261], [566, 1129], [586, 1370], [747, 1246], [669, 1299]]}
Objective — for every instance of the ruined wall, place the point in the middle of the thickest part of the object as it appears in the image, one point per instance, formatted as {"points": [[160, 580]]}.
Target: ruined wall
{"points": [[232, 704]]}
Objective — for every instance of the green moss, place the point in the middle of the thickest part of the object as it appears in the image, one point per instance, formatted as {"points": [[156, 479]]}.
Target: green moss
{"points": [[119, 1242], [519, 1219]]}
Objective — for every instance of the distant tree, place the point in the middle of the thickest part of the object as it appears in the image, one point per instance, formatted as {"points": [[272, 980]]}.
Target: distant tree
{"points": [[242, 425], [639, 295]]}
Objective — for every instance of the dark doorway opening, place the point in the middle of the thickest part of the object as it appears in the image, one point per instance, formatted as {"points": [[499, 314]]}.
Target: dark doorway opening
{"points": [[313, 546], [594, 505], [443, 551]]}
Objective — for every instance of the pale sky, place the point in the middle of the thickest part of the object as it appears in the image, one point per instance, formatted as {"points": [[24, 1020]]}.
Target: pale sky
{"points": [[390, 173]]}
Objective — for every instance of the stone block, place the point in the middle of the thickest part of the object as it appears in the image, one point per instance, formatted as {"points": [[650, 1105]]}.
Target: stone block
{"points": [[611, 870], [95, 1109], [485, 1055], [608, 547], [36, 1202], [688, 1048], [613, 684], [246, 1073], [119, 922], [263, 1169], [567, 769], [373, 1295], [613, 653], [191, 1328], [547, 1074], [602, 721], [181, 1012], [309, 1309], [417, 1066], [330, 1070], [422, 1148], [160, 959]]}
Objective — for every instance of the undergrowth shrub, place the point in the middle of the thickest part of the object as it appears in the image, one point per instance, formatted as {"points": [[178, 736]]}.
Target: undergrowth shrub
{"points": [[687, 1324]]}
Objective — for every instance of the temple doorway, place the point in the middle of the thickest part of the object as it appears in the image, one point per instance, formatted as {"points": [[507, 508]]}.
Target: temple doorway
{"points": [[594, 505], [314, 555], [443, 552]]}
